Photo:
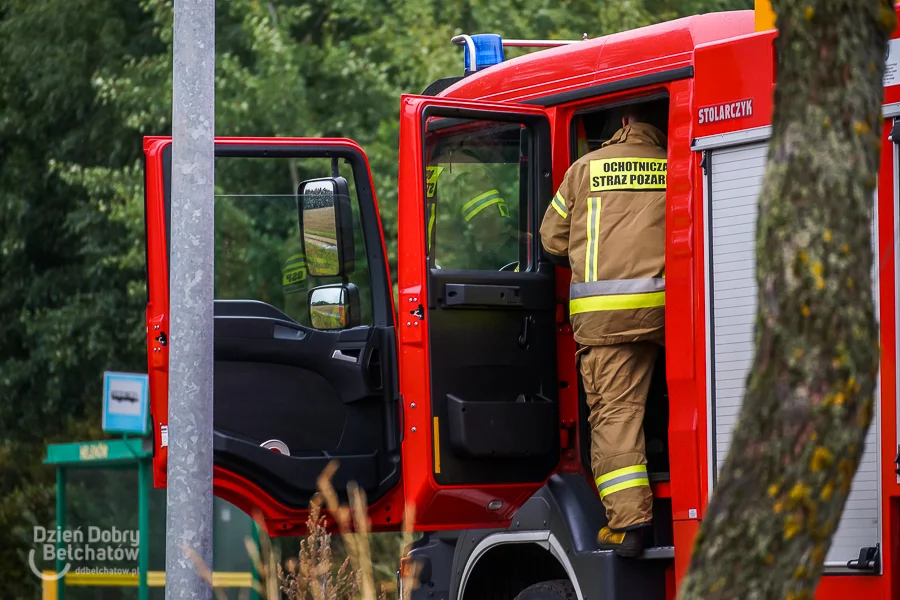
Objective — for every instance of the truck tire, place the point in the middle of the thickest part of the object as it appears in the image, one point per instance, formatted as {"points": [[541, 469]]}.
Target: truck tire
{"points": [[561, 589]]}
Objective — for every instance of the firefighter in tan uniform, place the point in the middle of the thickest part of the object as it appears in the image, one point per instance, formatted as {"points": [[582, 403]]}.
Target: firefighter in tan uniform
{"points": [[607, 223], [477, 217], [295, 285]]}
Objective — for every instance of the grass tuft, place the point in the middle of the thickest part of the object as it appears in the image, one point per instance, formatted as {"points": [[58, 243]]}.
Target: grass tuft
{"points": [[313, 574]]}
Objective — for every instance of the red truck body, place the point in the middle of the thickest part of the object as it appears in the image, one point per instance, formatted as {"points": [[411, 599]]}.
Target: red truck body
{"points": [[717, 75]]}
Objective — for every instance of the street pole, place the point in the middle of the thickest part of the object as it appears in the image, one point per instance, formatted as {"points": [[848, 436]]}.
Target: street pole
{"points": [[144, 486], [190, 464]]}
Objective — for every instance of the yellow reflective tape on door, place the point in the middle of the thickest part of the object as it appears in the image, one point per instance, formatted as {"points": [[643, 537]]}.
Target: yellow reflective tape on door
{"points": [[437, 445], [431, 181], [633, 174]]}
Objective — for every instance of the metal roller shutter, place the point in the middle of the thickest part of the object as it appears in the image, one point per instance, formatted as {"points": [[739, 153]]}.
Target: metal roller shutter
{"points": [[733, 190]]}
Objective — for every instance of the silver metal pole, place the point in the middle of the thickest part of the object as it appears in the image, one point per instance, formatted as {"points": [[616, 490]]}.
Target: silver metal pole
{"points": [[189, 528], [539, 43]]}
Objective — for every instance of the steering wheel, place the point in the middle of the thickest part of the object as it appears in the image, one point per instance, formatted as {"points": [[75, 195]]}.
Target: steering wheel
{"points": [[510, 267]]}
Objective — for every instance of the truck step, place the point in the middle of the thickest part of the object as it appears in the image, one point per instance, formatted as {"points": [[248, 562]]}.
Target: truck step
{"points": [[654, 553], [659, 553]]}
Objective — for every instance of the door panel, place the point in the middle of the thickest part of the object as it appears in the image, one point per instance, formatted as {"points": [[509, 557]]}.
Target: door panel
{"points": [[288, 398], [492, 338], [478, 319], [311, 398]]}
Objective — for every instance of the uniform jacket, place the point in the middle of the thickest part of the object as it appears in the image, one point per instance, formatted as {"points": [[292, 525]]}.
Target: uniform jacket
{"points": [[608, 218]]}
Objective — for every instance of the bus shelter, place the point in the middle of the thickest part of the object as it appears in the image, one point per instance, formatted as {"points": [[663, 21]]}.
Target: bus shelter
{"points": [[111, 524]]}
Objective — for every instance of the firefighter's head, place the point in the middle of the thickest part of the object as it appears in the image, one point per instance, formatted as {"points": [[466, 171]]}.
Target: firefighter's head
{"points": [[651, 113]]}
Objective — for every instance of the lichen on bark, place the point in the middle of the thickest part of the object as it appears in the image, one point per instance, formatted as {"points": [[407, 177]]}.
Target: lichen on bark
{"points": [[809, 398]]}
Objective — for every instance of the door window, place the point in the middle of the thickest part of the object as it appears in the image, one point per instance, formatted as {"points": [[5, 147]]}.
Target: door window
{"points": [[259, 254], [477, 195]]}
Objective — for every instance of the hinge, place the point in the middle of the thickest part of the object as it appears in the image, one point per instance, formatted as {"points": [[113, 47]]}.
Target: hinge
{"points": [[412, 316], [704, 162], [897, 461], [869, 560]]}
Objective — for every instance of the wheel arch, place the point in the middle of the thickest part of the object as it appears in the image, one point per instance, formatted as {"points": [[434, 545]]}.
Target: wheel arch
{"points": [[550, 562]]}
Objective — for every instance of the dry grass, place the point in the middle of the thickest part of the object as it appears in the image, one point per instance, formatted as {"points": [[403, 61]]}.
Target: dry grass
{"points": [[320, 222], [313, 574]]}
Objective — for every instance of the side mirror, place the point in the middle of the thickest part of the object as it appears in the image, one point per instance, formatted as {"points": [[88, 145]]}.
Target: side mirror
{"points": [[334, 306], [326, 226]]}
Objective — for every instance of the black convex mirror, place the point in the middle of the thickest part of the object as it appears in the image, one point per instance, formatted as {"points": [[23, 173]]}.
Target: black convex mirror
{"points": [[326, 226], [334, 306]]}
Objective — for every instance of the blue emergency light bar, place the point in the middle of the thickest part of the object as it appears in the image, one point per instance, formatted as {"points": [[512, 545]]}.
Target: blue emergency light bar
{"points": [[487, 48]]}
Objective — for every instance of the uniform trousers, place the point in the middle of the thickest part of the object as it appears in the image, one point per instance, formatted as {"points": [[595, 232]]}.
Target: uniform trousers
{"points": [[617, 379]]}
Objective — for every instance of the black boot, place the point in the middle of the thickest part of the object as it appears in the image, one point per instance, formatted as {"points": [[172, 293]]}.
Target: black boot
{"points": [[627, 544]]}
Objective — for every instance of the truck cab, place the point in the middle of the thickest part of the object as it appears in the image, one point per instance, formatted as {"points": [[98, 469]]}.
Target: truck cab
{"points": [[458, 393]]}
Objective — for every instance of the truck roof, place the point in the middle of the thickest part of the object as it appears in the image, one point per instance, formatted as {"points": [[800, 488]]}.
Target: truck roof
{"points": [[627, 54]]}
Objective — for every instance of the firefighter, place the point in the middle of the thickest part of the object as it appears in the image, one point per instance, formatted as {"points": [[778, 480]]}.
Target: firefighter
{"points": [[607, 224], [479, 213], [294, 286], [295, 278]]}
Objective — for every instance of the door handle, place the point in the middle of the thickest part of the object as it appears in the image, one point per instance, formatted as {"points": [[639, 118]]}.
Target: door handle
{"points": [[339, 355], [523, 338]]}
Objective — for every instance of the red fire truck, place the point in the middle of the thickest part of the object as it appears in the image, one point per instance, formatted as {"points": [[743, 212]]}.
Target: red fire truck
{"points": [[461, 397]]}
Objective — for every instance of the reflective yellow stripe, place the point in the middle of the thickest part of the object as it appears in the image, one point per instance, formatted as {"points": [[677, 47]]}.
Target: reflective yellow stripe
{"points": [[437, 445], [294, 261], [643, 481], [483, 201], [619, 472], [431, 224], [593, 239], [628, 174], [617, 302], [431, 181], [476, 199], [559, 203], [622, 479], [481, 207]]}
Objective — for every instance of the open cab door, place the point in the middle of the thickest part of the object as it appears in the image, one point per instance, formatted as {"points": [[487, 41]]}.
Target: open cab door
{"points": [[477, 311], [305, 354]]}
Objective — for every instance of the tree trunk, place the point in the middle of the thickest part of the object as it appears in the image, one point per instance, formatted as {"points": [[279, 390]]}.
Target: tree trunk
{"points": [[809, 399]]}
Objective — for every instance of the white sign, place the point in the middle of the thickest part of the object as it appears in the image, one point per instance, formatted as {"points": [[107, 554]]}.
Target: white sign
{"points": [[892, 64], [125, 397], [125, 402], [725, 111]]}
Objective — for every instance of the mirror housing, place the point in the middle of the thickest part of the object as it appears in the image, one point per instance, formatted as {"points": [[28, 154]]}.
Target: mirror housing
{"points": [[326, 226], [334, 306]]}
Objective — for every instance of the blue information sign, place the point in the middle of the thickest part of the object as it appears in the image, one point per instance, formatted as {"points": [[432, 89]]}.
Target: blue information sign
{"points": [[126, 403]]}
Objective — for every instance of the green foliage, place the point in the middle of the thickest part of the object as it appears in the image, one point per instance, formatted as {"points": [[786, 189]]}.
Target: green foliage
{"points": [[83, 80]]}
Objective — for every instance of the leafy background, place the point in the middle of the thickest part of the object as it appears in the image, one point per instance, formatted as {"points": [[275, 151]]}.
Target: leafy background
{"points": [[81, 81]]}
